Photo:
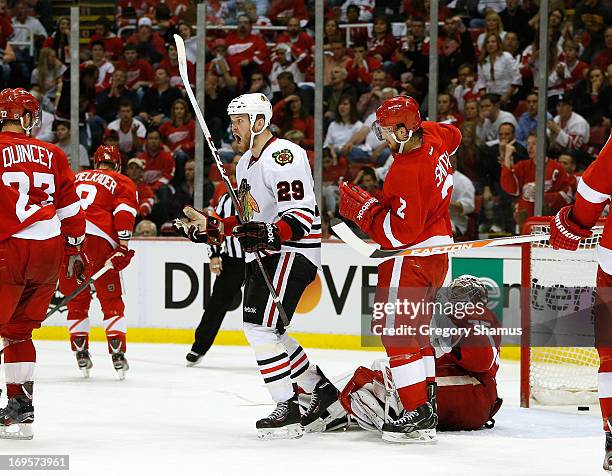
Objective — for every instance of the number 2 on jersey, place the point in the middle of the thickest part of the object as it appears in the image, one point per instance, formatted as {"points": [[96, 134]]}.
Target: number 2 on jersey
{"points": [[87, 194], [23, 208]]}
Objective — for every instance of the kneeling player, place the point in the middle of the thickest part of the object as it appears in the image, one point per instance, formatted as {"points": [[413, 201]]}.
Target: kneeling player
{"points": [[109, 201], [466, 366]]}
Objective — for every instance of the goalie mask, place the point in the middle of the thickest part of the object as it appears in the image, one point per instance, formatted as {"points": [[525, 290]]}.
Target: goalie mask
{"points": [[468, 288]]}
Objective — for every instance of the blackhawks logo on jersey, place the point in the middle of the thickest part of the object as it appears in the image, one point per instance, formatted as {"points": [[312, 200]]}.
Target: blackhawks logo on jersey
{"points": [[248, 202], [283, 157]]}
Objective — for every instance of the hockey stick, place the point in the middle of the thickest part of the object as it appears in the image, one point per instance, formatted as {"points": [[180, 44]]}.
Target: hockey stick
{"points": [[80, 289], [182, 63], [346, 234]]}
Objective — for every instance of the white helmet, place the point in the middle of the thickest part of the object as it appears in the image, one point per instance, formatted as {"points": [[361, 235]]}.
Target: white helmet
{"points": [[252, 104]]}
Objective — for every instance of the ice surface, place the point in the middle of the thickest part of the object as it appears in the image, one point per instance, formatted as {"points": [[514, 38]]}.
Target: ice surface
{"points": [[168, 419]]}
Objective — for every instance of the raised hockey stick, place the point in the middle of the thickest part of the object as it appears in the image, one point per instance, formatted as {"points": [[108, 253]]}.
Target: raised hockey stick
{"points": [[182, 63], [346, 234], [78, 290]]}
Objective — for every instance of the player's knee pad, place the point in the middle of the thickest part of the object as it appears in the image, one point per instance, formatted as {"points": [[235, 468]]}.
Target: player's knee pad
{"points": [[112, 306], [78, 321]]}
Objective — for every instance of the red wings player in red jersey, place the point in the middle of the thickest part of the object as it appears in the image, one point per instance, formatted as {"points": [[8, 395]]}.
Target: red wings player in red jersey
{"points": [[42, 230], [414, 210], [109, 201], [466, 367], [567, 228]]}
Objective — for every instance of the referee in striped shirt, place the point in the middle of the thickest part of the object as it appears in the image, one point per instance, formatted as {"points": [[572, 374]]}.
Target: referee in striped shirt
{"points": [[227, 263]]}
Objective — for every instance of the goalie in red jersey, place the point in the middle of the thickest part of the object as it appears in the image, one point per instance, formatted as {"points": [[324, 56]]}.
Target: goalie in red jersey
{"points": [[467, 360], [567, 228], [414, 210], [42, 230], [109, 201]]}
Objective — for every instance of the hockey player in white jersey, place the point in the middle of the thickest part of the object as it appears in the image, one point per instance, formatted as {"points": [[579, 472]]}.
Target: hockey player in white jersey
{"points": [[282, 224]]}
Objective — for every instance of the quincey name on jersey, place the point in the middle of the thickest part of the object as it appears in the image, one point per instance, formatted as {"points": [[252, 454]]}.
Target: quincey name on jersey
{"points": [[279, 185], [37, 195], [110, 202]]}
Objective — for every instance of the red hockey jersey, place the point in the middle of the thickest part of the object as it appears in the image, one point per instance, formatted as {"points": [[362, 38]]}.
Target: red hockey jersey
{"points": [[38, 200], [594, 191], [179, 136], [110, 204], [417, 192], [519, 181], [467, 389]]}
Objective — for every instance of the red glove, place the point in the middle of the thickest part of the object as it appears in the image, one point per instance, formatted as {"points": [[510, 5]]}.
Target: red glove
{"points": [[358, 205], [120, 257], [564, 233], [76, 265]]}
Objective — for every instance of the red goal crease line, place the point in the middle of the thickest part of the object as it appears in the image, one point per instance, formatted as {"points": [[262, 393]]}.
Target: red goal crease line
{"points": [[346, 234]]}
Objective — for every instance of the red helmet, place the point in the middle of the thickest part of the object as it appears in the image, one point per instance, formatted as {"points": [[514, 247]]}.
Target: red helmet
{"points": [[109, 154], [15, 103], [399, 110]]}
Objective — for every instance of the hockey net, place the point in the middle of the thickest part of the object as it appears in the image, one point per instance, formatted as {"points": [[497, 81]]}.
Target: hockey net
{"points": [[553, 374]]}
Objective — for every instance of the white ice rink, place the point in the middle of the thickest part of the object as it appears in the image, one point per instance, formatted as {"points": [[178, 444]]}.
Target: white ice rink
{"points": [[172, 420]]}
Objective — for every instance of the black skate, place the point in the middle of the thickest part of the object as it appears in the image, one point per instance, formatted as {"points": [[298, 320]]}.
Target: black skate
{"points": [[119, 361], [82, 356], [417, 426], [607, 464], [282, 423], [17, 417], [325, 413], [193, 358]]}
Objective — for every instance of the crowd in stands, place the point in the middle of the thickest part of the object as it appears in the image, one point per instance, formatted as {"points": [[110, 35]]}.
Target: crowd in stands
{"points": [[488, 69], [131, 93], [132, 96]]}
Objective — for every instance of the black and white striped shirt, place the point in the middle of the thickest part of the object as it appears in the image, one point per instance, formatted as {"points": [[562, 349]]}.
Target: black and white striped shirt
{"points": [[231, 247]]}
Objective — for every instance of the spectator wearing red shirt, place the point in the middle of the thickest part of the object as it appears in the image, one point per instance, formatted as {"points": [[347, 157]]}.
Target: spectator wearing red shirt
{"points": [[249, 50], [150, 44], [604, 58], [6, 29], [146, 198], [360, 68], [296, 36], [518, 180], [290, 113], [369, 101], [357, 34], [226, 68], [170, 64], [569, 164], [178, 135], [382, 44], [281, 11], [113, 45], [159, 164], [333, 171], [138, 71]]}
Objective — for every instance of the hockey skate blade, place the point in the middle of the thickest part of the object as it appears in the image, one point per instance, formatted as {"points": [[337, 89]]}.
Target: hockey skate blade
{"points": [[415, 437], [334, 412], [18, 431], [285, 433]]}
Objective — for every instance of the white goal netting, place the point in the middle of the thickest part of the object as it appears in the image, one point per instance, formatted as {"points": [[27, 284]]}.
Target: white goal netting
{"points": [[562, 285]]}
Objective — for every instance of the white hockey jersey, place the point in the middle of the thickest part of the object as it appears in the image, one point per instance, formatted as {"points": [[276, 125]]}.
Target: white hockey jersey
{"points": [[277, 185]]}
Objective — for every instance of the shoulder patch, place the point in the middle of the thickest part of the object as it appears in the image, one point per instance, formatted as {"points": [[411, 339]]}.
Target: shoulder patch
{"points": [[283, 157]]}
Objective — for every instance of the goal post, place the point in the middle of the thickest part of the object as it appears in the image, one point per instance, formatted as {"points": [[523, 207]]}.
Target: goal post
{"points": [[564, 373]]}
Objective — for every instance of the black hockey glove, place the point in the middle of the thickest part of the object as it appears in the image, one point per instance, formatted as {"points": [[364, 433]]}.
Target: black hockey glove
{"points": [[258, 236]]}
